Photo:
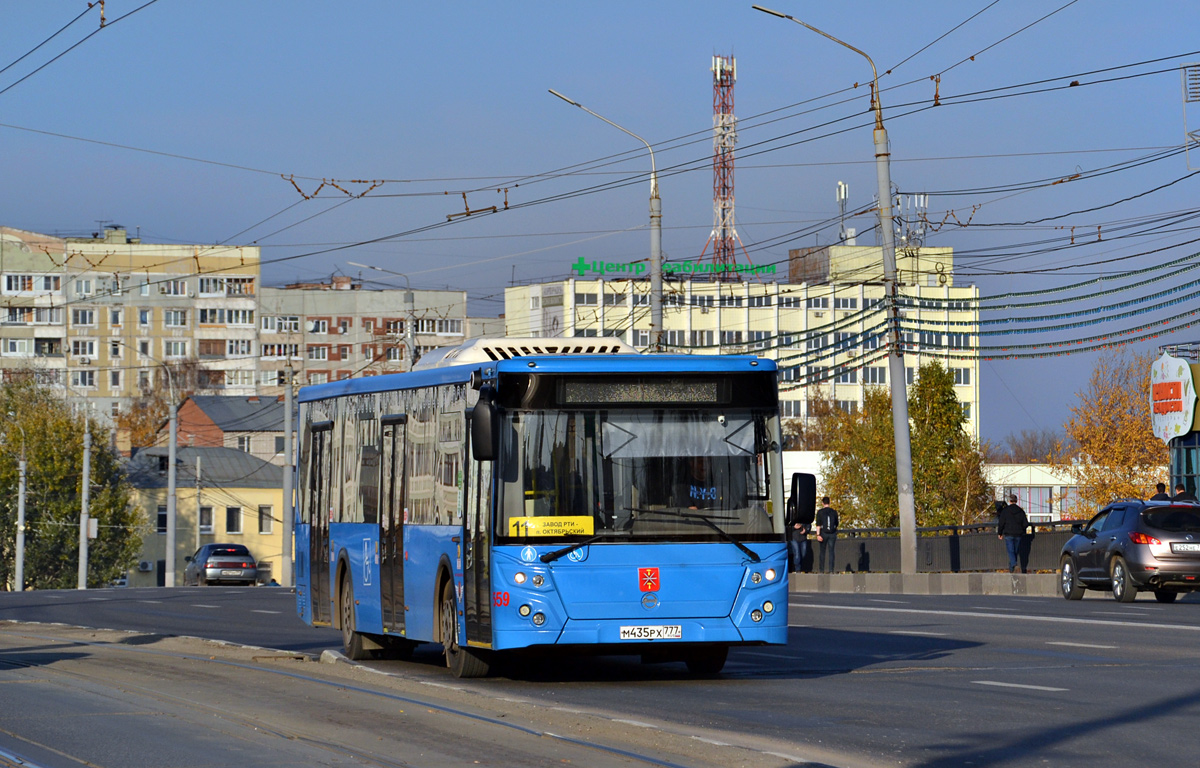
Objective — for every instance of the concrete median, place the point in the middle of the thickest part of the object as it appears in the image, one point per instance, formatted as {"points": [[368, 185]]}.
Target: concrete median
{"points": [[1023, 584]]}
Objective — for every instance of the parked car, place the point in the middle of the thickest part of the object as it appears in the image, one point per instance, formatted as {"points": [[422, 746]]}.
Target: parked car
{"points": [[1131, 546], [220, 564]]}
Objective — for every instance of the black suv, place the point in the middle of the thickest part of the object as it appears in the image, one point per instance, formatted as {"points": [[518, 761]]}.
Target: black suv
{"points": [[1135, 545]]}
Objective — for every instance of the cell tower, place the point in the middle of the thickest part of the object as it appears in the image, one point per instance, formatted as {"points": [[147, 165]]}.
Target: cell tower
{"points": [[724, 238]]}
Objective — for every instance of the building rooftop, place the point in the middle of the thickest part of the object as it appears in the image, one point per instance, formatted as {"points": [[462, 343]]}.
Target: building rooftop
{"points": [[224, 467], [242, 414]]}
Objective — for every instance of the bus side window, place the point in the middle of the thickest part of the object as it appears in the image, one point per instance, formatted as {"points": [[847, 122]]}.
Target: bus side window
{"points": [[368, 484]]}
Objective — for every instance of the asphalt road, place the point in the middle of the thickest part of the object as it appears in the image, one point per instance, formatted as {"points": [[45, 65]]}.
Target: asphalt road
{"points": [[864, 680]]}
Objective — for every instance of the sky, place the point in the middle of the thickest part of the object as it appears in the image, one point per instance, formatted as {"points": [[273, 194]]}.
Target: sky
{"points": [[329, 133]]}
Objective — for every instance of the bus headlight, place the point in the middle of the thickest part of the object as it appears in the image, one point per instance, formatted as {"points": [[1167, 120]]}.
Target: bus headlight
{"points": [[770, 574], [519, 578], [756, 615], [524, 610], [539, 619], [768, 606], [537, 580]]}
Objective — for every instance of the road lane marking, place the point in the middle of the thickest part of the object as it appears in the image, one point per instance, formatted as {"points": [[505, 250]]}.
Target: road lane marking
{"points": [[1081, 645], [1019, 685], [638, 723], [1005, 616], [102, 599], [992, 608], [156, 602], [258, 611], [199, 605], [1112, 613], [714, 742], [916, 632], [881, 600], [770, 655]]}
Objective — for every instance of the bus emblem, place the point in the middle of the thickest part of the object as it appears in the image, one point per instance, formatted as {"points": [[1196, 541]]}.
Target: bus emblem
{"points": [[529, 554], [648, 579]]}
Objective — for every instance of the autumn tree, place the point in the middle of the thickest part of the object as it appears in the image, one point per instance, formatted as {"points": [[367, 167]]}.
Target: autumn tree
{"points": [[52, 437], [1118, 455], [808, 434], [859, 465], [949, 485], [1027, 447], [860, 460]]}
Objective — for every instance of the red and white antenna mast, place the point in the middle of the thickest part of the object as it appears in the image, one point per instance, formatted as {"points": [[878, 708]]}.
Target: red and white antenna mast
{"points": [[724, 238]]}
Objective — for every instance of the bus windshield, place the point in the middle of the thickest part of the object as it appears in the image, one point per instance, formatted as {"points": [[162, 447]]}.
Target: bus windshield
{"points": [[638, 474]]}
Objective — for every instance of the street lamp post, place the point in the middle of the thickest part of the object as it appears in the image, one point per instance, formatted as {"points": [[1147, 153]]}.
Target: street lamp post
{"points": [[896, 373], [19, 568], [656, 321], [85, 491], [409, 306]]}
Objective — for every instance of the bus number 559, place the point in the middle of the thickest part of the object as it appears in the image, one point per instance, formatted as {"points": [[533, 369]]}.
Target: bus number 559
{"points": [[500, 598]]}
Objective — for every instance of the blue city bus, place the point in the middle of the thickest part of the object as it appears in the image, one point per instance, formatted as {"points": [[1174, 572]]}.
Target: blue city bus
{"points": [[510, 496]]}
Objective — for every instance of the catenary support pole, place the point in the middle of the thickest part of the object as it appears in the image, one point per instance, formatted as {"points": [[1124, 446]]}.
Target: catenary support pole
{"points": [[289, 515], [19, 571], [171, 472], [897, 378], [85, 493]]}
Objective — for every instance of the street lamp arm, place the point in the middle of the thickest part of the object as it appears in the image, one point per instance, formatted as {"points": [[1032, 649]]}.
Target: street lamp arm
{"points": [[874, 74], [653, 168]]}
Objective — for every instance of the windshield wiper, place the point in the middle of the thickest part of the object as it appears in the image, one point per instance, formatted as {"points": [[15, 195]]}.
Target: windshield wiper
{"points": [[707, 520], [550, 557]]}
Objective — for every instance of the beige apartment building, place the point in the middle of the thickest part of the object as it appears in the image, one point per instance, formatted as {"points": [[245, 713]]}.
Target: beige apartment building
{"points": [[824, 325], [105, 317], [108, 317]]}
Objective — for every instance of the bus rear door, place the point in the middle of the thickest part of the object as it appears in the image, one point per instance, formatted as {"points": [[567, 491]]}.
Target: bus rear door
{"points": [[320, 508], [391, 538]]}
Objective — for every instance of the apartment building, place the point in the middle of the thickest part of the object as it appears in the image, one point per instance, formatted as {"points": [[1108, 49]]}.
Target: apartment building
{"points": [[339, 330], [108, 317], [825, 330]]}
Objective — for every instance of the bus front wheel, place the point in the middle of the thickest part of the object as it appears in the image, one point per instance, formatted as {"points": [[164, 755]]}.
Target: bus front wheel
{"points": [[463, 662]]}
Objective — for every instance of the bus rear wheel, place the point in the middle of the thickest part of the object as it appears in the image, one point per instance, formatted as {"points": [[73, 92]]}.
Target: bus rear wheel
{"points": [[463, 662], [352, 642], [707, 661]]}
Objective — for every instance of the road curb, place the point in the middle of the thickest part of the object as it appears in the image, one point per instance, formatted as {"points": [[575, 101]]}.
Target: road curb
{"points": [[1019, 584]]}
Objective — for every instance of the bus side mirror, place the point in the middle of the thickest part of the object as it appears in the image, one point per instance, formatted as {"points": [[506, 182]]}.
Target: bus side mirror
{"points": [[483, 427], [802, 505]]}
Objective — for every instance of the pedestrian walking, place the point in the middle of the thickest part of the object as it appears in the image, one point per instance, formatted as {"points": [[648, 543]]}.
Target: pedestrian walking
{"points": [[1182, 494], [1162, 493], [827, 530], [1010, 528]]}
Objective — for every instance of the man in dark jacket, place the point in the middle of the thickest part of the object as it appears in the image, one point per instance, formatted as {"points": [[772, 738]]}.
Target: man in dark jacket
{"points": [[826, 529], [1162, 493], [1010, 527], [1181, 493]]}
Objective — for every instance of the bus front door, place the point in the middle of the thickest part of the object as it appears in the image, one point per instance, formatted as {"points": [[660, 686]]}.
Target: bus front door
{"points": [[477, 589], [391, 520]]}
